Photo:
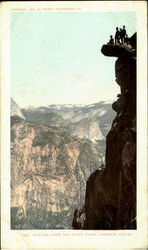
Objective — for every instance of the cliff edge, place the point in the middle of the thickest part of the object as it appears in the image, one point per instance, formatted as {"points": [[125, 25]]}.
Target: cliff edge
{"points": [[110, 201]]}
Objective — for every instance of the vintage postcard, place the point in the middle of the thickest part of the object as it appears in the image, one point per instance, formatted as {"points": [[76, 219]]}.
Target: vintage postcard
{"points": [[74, 125]]}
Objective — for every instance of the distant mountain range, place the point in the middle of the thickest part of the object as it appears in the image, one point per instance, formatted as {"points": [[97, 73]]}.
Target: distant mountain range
{"points": [[54, 150], [85, 121]]}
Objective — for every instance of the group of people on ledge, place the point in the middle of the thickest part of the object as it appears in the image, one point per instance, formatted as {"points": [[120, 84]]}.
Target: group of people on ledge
{"points": [[121, 37]]}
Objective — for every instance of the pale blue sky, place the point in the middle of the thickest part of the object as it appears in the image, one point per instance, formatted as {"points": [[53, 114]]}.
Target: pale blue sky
{"points": [[56, 57]]}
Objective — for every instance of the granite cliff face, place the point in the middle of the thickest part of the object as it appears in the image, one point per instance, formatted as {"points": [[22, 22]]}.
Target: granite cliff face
{"points": [[50, 165], [110, 201], [49, 169]]}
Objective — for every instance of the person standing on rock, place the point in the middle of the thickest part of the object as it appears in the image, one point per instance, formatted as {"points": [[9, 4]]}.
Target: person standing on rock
{"points": [[117, 36], [123, 33]]}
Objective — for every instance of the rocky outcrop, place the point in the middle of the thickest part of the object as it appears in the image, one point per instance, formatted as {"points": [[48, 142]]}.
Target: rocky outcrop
{"points": [[49, 169], [110, 201], [15, 110], [87, 128]]}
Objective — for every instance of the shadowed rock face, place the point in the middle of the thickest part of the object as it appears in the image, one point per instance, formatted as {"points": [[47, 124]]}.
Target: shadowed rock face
{"points": [[117, 51], [110, 201]]}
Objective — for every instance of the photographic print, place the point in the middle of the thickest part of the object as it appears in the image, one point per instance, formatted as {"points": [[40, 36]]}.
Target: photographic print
{"points": [[73, 119], [58, 130]]}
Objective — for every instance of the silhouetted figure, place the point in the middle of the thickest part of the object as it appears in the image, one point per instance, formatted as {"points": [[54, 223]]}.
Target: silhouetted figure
{"points": [[117, 36], [123, 33], [111, 41]]}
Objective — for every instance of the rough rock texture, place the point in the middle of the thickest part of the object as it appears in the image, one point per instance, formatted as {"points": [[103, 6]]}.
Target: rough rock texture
{"points": [[111, 193], [49, 169]]}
